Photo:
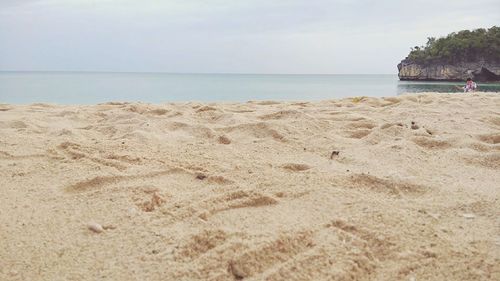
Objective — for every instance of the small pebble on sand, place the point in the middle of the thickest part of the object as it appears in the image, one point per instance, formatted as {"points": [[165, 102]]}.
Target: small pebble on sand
{"points": [[469, 216], [334, 153], [95, 227], [224, 140], [204, 215], [108, 226], [201, 176]]}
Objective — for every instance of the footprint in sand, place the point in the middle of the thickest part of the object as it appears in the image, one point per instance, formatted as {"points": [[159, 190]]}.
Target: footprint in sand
{"points": [[489, 138], [78, 152], [206, 108], [196, 131], [490, 161], [4, 108], [14, 124], [240, 199], [391, 186], [145, 109], [148, 198], [361, 125], [357, 134], [493, 120], [294, 167], [430, 143], [103, 181], [256, 260], [390, 125], [284, 114], [199, 244], [258, 130]]}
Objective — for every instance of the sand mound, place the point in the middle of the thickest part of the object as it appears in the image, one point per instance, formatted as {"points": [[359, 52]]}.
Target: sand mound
{"points": [[399, 188], [256, 130]]}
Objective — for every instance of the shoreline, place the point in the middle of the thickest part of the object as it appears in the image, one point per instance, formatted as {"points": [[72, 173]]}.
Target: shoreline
{"points": [[446, 80], [357, 188], [180, 102]]}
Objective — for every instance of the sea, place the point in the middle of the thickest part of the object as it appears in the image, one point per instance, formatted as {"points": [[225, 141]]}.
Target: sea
{"points": [[100, 87]]}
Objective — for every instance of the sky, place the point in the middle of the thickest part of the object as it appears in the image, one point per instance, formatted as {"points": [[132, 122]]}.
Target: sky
{"points": [[227, 36]]}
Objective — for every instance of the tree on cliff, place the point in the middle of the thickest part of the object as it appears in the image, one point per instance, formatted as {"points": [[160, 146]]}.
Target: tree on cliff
{"points": [[462, 46]]}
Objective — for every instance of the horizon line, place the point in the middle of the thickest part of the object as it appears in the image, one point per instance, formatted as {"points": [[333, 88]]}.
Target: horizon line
{"points": [[184, 73]]}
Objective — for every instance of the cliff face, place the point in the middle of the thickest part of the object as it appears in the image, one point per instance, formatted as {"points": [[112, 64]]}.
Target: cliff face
{"points": [[478, 71]]}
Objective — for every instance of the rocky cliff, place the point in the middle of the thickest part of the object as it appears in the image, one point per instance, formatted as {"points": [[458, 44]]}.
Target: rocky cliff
{"points": [[478, 71]]}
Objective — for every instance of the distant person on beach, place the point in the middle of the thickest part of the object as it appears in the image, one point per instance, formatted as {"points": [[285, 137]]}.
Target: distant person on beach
{"points": [[470, 86]]}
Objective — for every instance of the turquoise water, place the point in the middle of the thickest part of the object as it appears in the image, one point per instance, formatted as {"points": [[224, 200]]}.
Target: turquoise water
{"points": [[89, 88]]}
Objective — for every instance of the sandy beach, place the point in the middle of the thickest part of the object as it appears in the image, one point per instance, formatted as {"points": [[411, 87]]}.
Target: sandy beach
{"points": [[399, 188]]}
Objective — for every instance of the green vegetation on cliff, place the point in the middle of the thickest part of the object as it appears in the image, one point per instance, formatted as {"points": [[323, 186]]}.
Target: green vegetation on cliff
{"points": [[462, 46]]}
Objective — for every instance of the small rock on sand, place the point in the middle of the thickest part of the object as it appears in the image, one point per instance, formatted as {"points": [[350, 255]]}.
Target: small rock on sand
{"points": [[201, 176], [204, 215], [334, 153], [224, 140], [238, 271], [469, 216], [95, 227], [108, 226]]}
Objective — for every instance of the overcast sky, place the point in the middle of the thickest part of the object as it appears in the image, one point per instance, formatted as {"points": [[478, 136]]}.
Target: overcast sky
{"points": [[227, 36]]}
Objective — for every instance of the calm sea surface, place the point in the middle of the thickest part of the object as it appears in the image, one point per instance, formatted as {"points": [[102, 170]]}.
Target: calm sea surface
{"points": [[89, 88]]}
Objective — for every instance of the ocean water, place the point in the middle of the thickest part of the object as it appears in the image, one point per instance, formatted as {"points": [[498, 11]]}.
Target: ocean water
{"points": [[90, 88]]}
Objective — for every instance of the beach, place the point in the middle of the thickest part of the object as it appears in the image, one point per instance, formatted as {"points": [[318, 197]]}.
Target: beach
{"points": [[396, 188]]}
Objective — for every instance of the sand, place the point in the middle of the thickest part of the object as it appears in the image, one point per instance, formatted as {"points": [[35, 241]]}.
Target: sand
{"points": [[399, 188]]}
